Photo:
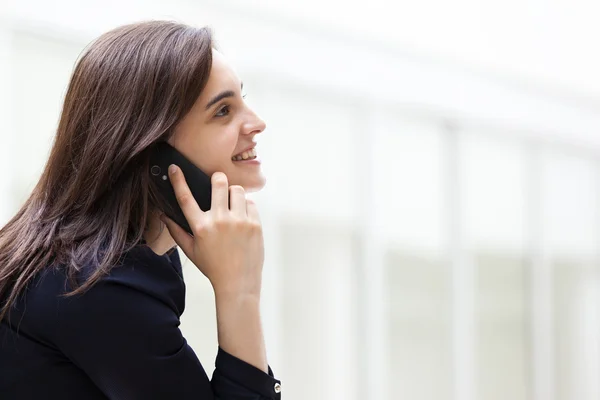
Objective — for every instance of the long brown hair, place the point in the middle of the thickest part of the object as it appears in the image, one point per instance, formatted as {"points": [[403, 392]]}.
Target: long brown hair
{"points": [[128, 90]]}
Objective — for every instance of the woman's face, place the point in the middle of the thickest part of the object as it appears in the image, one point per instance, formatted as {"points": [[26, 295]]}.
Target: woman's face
{"points": [[219, 129]]}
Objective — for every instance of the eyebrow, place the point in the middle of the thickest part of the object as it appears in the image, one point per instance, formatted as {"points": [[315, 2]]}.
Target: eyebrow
{"points": [[221, 96]]}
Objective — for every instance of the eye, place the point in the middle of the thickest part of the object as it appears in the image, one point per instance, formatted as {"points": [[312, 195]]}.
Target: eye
{"points": [[223, 112]]}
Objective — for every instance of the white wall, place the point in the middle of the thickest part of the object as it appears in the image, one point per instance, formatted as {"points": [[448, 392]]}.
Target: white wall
{"points": [[531, 43]]}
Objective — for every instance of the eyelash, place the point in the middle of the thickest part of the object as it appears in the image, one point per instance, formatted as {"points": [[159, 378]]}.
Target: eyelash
{"points": [[219, 115], [226, 107]]}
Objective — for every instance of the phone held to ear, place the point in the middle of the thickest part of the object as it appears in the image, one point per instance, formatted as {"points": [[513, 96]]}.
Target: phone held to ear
{"points": [[164, 155]]}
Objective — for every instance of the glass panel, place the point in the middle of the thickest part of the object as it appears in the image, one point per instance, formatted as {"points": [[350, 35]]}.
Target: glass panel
{"points": [[493, 193], [420, 327], [493, 183], [408, 211], [503, 346], [571, 219], [409, 182], [570, 206], [311, 154], [576, 329], [320, 311]]}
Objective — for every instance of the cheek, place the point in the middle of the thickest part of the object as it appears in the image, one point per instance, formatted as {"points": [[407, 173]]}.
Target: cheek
{"points": [[223, 145], [215, 155], [210, 149]]}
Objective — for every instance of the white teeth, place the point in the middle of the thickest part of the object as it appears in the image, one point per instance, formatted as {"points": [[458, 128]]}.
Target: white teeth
{"points": [[245, 155]]}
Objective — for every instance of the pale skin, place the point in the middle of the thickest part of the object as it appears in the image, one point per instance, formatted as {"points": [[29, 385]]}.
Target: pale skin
{"points": [[227, 246]]}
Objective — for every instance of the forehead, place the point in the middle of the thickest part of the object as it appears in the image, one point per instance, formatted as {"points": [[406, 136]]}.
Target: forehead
{"points": [[222, 76]]}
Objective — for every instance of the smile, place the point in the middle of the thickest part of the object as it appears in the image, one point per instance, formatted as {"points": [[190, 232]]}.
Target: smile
{"points": [[246, 155]]}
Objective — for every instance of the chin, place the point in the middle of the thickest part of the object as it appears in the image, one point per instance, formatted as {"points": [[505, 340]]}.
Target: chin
{"points": [[255, 185]]}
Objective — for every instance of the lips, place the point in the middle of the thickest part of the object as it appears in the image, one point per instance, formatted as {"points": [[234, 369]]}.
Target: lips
{"points": [[249, 154], [246, 150]]}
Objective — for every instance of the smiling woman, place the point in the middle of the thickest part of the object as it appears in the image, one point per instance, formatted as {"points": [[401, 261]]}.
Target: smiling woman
{"points": [[220, 128], [91, 286]]}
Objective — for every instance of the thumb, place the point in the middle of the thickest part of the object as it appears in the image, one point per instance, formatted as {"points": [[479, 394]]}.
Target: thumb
{"points": [[181, 237]]}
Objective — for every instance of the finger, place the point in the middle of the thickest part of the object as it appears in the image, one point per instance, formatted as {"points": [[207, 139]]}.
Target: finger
{"points": [[191, 210], [180, 235], [220, 192], [237, 200], [252, 211]]}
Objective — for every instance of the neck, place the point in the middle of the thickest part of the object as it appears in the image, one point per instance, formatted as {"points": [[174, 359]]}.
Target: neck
{"points": [[157, 235]]}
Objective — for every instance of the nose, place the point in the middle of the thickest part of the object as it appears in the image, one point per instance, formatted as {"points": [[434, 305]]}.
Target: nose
{"points": [[254, 124]]}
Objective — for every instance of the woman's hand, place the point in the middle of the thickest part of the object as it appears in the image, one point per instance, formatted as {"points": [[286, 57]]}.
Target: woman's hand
{"points": [[227, 245]]}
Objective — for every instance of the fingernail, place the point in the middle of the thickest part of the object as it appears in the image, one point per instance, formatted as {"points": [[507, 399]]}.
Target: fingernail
{"points": [[172, 169]]}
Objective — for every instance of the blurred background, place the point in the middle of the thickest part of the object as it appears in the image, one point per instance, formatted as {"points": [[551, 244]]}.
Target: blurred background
{"points": [[432, 212]]}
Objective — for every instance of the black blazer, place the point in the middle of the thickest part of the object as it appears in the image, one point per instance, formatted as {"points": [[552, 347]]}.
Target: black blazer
{"points": [[120, 340]]}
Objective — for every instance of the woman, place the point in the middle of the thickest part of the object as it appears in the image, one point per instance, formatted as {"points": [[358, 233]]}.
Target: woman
{"points": [[90, 280]]}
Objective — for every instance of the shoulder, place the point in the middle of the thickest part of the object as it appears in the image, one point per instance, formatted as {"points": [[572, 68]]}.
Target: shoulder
{"points": [[140, 273], [141, 288], [143, 271], [124, 330]]}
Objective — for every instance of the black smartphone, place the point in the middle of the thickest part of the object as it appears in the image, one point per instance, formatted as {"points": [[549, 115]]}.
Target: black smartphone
{"points": [[163, 155]]}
